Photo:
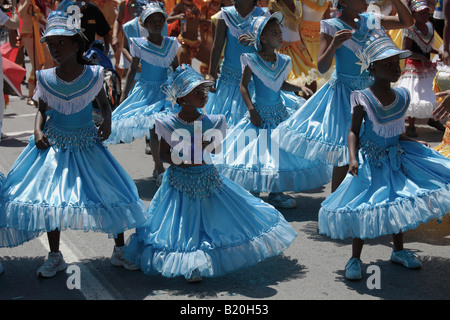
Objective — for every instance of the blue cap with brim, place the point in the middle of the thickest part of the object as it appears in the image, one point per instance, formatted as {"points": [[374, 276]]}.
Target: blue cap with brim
{"points": [[151, 8], [62, 22], [258, 25], [379, 48], [183, 81]]}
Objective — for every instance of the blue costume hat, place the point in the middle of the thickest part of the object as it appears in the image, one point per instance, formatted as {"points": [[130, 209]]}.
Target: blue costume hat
{"points": [[182, 82], [379, 48], [258, 25], [151, 8], [64, 21]]}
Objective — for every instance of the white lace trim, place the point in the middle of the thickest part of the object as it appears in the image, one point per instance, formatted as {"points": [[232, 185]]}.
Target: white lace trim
{"points": [[72, 106], [237, 32], [268, 82], [156, 60], [386, 130]]}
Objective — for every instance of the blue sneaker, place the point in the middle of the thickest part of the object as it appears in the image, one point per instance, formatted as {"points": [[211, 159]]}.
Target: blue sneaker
{"points": [[353, 269], [406, 258]]}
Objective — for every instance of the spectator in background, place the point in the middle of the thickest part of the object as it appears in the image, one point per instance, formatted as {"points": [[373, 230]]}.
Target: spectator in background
{"points": [[93, 22]]}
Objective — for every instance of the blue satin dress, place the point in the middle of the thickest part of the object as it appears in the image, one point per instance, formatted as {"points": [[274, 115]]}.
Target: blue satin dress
{"points": [[318, 131], [250, 157], [202, 221], [227, 99], [75, 183], [136, 115], [400, 184]]}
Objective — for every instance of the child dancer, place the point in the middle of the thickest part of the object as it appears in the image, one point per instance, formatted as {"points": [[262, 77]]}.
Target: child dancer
{"points": [[202, 224], [394, 183], [135, 116], [65, 177], [318, 130], [260, 166], [419, 71], [233, 22]]}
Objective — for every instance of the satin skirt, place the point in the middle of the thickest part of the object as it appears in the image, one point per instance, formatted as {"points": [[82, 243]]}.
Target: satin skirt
{"points": [[136, 115], [253, 160], [227, 99], [61, 188], [318, 130], [12, 237], [384, 199], [227, 230]]}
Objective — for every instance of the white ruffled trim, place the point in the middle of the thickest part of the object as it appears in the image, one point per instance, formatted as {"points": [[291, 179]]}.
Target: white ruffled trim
{"points": [[74, 105], [235, 32], [386, 130], [393, 217], [153, 59], [212, 262], [271, 84], [32, 219], [310, 148]]}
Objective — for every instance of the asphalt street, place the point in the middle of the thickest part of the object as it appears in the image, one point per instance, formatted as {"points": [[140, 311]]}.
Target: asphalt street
{"points": [[312, 268]]}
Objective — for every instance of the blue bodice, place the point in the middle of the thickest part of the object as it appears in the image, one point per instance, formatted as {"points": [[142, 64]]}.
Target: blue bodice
{"points": [[382, 125], [237, 26], [152, 73], [347, 60], [80, 119], [233, 51], [264, 94], [155, 60]]}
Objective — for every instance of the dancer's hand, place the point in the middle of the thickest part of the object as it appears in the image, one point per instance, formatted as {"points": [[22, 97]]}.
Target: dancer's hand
{"points": [[340, 37], [353, 168], [104, 130], [255, 118], [40, 140], [443, 108], [211, 78]]}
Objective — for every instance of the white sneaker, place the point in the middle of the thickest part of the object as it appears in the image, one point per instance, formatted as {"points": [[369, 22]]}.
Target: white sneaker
{"points": [[353, 269], [55, 263], [406, 258], [118, 260]]}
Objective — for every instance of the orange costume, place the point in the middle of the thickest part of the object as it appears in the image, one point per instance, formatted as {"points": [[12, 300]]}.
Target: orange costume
{"points": [[442, 83], [293, 46]]}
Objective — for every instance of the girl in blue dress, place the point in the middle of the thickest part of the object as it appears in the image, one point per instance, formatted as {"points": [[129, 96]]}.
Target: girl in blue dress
{"points": [[259, 165], [202, 224], [233, 22], [394, 183], [135, 116], [65, 178], [318, 131]]}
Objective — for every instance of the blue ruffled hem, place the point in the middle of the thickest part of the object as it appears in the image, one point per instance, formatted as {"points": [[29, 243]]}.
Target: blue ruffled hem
{"points": [[277, 181], [12, 238], [128, 129], [387, 218], [311, 149], [38, 218], [210, 262]]}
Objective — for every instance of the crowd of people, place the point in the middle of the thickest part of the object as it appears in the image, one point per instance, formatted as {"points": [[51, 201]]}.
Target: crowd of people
{"points": [[289, 95]]}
